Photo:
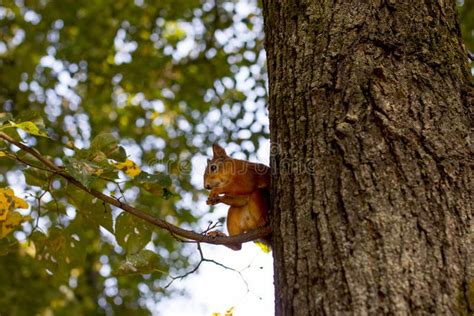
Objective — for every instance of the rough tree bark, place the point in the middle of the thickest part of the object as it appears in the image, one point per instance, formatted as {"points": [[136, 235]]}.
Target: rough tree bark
{"points": [[370, 111]]}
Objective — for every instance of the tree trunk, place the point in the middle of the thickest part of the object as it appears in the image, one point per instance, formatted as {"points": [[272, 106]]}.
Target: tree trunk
{"points": [[370, 110]]}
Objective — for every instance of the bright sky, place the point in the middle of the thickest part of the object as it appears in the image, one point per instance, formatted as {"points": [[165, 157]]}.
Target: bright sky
{"points": [[215, 289]]}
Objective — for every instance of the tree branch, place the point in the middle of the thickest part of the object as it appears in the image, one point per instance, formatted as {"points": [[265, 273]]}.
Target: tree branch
{"points": [[188, 235]]}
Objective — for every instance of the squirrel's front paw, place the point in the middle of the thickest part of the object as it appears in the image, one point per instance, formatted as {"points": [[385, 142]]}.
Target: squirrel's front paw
{"points": [[212, 200]]}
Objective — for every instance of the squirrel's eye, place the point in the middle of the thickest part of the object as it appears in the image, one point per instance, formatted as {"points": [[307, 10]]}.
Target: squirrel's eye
{"points": [[213, 168]]}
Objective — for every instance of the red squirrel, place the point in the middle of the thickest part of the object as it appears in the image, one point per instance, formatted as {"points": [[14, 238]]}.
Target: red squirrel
{"points": [[244, 186]]}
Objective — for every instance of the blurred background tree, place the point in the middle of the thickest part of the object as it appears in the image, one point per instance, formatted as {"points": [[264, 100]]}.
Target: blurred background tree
{"points": [[466, 16], [166, 78]]}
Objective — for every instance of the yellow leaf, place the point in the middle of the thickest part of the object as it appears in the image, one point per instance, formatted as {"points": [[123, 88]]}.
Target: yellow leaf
{"points": [[4, 207], [264, 247], [2, 154], [9, 202], [20, 203], [229, 312], [13, 220], [129, 167], [30, 128]]}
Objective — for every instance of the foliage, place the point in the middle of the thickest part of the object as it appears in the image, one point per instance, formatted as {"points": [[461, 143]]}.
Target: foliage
{"points": [[128, 93], [466, 15]]}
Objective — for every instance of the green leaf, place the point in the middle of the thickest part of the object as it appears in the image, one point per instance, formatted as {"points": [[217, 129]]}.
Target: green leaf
{"points": [[97, 157], [155, 184], [132, 233], [39, 239], [161, 179], [144, 262], [30, 116], [108, 144], [31, 128], [28, 158], [118, 154], [50, 251], [75, 252], [167, 194], [81, 170], [104, 142], [36, 177], [94, 210], [55, 207], [60, 251], [8, 245], [95, 163]]}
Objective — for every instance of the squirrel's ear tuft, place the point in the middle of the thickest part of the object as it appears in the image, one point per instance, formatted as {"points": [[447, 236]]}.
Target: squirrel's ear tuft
{"points": [[218, 151]]}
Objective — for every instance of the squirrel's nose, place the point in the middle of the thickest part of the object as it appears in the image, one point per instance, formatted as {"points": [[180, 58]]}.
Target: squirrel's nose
{"points": [[208, 186]]}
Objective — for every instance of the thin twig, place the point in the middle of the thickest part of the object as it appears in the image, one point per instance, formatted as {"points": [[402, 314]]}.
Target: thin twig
{"points": [[203, 259], [121, 192], [36, 226], [211, 226]]}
